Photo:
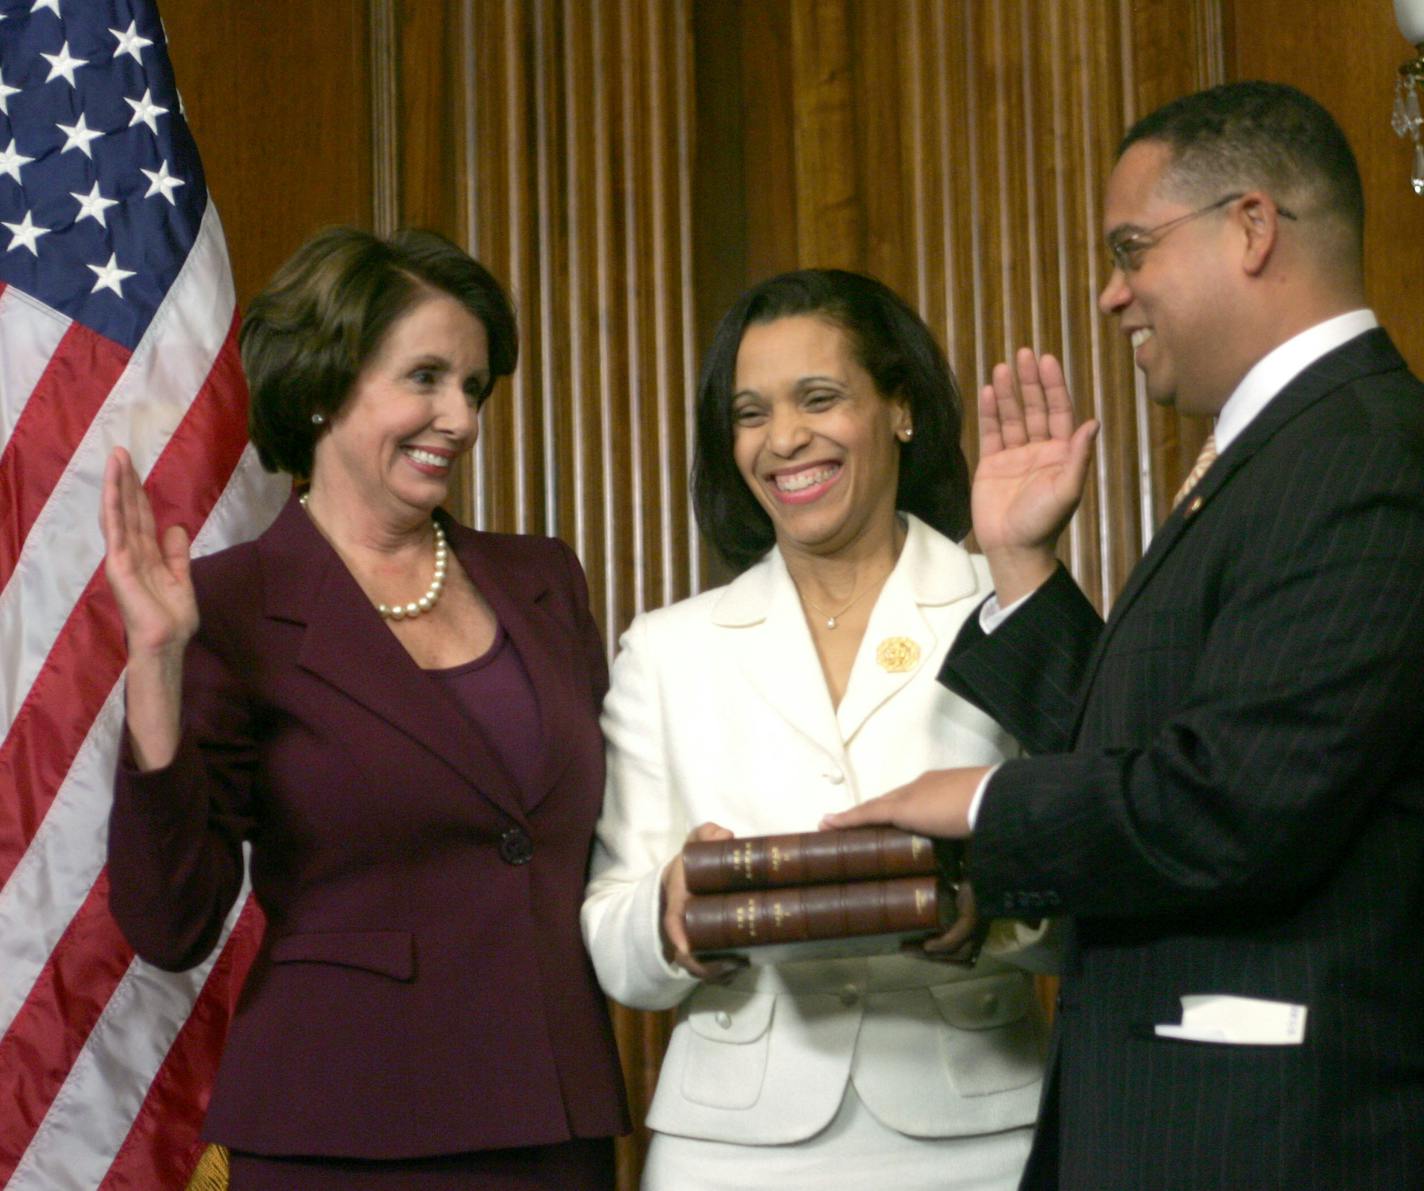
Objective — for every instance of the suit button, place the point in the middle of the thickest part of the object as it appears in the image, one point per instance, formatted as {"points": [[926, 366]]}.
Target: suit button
{"points": [[849, 995], [834, 776], [515, 846], [989, 1004], [723, 1019]]}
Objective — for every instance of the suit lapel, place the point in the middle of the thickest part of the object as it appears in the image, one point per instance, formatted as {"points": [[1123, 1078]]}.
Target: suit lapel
{"points": [[896, 622], [349, 647], [900, 638], [547, 649], [1366, 355], [773, 649], [777, 656]]}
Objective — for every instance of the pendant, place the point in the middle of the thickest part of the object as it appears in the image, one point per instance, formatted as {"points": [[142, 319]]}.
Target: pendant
{"points": [[830, 622]]}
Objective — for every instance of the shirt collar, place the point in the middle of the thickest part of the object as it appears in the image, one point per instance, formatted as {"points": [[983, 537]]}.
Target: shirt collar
{"points": [[1278, 367]]}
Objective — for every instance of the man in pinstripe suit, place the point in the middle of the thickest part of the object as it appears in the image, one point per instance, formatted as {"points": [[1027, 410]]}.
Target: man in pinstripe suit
{"points": [[1226, 792]]}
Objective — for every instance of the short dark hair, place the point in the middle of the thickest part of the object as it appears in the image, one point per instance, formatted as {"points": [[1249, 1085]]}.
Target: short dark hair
{"points": [[892, 344], [324, 314], [1255, 134]]}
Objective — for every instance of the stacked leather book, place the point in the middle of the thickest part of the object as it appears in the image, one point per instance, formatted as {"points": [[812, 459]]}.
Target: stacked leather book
{"points": [[773, 898]]}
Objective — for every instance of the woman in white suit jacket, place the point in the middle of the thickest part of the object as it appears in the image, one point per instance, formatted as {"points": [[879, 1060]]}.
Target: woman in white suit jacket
{"points": [[828, 459]]}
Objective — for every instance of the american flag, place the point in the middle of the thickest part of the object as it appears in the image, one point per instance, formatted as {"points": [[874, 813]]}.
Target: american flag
{"points": [[118, 325]]}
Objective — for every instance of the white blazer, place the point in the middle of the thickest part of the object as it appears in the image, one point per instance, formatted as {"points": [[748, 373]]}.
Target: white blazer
{"points": [[719, 711]]}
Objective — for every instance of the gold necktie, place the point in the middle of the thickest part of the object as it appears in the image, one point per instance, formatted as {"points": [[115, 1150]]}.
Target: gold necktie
{"points": [[1204, 461]]}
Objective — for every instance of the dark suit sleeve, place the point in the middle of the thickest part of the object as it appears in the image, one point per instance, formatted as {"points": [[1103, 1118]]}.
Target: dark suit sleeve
{"points": [[175, 834], [1287, 717], [1028, 675]]}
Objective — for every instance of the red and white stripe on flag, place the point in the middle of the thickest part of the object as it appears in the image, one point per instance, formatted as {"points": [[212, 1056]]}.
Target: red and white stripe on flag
{"points": [[117, 327]]}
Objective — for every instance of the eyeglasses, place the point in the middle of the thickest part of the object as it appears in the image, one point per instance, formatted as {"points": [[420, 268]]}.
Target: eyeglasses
{"points": [[1127, 252]]}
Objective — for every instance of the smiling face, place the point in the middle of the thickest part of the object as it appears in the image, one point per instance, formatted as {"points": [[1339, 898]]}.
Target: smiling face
{"points": [[813, 439], [1178, 305], [411, 414]]}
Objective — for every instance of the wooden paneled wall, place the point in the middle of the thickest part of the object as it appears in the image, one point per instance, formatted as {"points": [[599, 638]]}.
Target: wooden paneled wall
{"points": [[582, 199], [957, 149], [1345, 53], [628, 166]]}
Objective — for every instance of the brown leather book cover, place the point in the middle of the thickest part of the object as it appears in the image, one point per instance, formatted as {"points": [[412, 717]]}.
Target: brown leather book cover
{"points": [[799, 913], [808, 858]]}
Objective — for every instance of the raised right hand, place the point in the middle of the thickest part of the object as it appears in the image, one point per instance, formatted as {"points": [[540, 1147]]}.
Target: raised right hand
{"points": [[154, 591], [1033, 466], [674, 905], [149, 577]]}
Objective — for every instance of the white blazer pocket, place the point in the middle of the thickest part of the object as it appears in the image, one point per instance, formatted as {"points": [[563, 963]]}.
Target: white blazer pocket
{"points": [[994, 1043], [729, 1035], [953, 1059]]}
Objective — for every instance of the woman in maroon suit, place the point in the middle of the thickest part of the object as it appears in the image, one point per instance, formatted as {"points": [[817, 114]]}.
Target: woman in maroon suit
{"points": [[399, 716]]}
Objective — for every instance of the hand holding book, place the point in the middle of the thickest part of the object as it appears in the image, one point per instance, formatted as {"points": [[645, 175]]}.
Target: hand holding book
{"points": [[673, 899], [771, 898], [730, 862]]}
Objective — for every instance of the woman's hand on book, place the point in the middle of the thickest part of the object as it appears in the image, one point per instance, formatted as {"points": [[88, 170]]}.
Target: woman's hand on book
{"points": [[674, 904], [961, 943]]}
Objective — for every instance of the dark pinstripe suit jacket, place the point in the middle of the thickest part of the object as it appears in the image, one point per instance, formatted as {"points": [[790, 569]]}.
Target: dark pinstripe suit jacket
{"points": [[1236, 806]]}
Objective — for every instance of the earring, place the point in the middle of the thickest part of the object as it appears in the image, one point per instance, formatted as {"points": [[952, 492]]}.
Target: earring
{"points": [[318, 419], [907, 433]]}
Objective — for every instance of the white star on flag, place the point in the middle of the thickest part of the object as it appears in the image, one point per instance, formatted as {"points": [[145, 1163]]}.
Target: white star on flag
{"points": [[63, 63], [93, 205], [146, 110], [110, 276], [53, 5], [78, 136], [6, 92], [12, 159], [130, 41], [25, 233], [162, 182]]}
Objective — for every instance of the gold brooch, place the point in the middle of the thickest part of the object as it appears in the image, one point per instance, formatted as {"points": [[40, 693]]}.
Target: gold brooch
{"points": [[897, 655]]}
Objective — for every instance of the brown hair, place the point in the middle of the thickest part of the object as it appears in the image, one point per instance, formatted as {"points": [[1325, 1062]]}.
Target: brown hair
{"points": [[325, 312]]}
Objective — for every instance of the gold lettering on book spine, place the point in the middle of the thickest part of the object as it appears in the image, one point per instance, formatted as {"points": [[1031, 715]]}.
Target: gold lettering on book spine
{"points": [[742, 860], [746, 917], [776, 858]]}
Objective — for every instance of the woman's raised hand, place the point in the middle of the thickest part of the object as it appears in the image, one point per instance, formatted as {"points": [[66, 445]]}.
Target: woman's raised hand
{"points": [[1033, 465], [150, 581], [148, 576]]}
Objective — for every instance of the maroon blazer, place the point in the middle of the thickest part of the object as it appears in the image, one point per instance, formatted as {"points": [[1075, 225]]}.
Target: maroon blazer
{"points": [[422, 987]]}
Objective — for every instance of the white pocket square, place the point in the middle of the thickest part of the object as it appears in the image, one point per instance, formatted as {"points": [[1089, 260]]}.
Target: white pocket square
{"points": [[1238, 1021]]}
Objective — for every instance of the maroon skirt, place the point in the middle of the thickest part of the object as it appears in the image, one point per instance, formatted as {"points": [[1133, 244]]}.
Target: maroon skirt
{"points": [[568, 1166]]}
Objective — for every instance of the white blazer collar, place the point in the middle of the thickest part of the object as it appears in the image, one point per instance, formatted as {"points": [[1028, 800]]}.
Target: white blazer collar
{"points": [[935, 570], [778, 656]]}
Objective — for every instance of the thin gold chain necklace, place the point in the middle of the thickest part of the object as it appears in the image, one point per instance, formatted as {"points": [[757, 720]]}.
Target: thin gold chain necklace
{"points": [[833, 618]]}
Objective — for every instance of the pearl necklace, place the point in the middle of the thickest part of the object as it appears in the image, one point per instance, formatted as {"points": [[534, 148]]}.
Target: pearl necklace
{"points": [[432, 593]]}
